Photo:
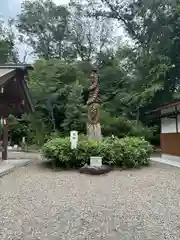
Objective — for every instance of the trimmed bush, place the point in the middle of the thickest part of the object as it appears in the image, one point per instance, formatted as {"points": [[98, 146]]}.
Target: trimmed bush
{"points": [[135, 151], [125, 152]]}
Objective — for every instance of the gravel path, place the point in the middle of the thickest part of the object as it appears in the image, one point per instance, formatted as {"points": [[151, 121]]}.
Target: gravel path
{"points": [[36, 203]]}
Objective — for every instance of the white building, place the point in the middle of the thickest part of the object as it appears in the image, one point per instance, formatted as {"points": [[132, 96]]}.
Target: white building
{"points": [[170, 130]]}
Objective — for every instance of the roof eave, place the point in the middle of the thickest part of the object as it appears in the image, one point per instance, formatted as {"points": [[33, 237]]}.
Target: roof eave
{"points": [[5, 78], [17, 66], [171, 104]]}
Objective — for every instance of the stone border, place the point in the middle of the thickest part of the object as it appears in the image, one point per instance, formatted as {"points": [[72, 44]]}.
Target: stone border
{"points": [[166, 161], [95, 170], [12, 167]]}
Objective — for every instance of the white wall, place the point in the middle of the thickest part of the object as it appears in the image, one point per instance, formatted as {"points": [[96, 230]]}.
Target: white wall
{"points": [[178, 117], [168, 125]]}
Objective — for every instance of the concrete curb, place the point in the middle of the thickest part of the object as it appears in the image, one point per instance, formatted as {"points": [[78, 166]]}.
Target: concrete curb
{"points": [[166, 161], [7, 171], [14, 167]]}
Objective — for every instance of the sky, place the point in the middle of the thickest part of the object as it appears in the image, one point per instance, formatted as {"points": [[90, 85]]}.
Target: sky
{"points": [[9, 8]]}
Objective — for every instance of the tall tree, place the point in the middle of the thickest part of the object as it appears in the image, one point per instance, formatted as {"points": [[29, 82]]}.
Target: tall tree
{"points": [[45, 25], [153, 25], [90, 36], [51, 83], [75, 112], [8, 51]]}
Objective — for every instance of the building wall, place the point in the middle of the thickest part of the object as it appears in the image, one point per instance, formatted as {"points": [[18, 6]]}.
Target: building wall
{"points": [[170, 144], [170, 136], [168, 125], [178, 119]]}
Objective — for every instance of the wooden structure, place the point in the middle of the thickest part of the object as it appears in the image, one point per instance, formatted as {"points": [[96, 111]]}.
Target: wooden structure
{"points": [[93, 105], [14, 96], [169, 116]]}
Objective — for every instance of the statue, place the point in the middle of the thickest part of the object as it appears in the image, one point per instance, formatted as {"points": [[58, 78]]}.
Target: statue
{"points": [[93, 105]]}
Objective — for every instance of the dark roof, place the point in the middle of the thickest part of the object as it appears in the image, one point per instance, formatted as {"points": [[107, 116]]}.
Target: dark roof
{"points": [[170, 104], [157, 113], [17, 66], [7, 72]]}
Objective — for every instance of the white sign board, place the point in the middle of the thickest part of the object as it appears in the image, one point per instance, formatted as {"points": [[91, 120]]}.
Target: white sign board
{"points": [[73, 139], [95, 161]]}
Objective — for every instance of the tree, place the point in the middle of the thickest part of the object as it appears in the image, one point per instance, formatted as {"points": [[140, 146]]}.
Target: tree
{"points": [[62, 32], [134, 78], [8, 51], [51, 83], [75, 113], [154, 28], [90, 36], [45, 25]]}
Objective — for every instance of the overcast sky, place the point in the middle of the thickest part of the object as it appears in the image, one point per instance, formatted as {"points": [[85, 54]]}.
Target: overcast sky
{"points": [[9, 8]]}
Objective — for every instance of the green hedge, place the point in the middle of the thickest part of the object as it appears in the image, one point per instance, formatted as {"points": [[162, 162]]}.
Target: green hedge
{"points": [[124, 152]]}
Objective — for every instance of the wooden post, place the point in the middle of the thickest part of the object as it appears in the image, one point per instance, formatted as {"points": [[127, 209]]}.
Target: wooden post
{"points": [[5, 139], [93, 105], [93, 125]]}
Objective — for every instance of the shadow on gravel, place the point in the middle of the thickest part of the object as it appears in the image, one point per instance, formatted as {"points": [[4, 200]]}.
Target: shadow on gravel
{"points": [[51, 165], [46, 164]]}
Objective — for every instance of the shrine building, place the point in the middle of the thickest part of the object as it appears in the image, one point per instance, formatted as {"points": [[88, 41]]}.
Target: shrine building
{"points": [[15, 98], [169, 116]]}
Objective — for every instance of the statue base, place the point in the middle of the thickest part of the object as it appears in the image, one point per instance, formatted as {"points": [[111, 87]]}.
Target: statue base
{"points": [[95, 170], [94, 132]]}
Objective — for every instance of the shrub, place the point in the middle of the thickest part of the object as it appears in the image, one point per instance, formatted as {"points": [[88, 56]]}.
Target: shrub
{"points": [[121, 127], [135, 151], [124, 152], [139, 130], [58, 149]]}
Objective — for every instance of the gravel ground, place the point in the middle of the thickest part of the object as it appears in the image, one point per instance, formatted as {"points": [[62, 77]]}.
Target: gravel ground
{"points": [[23, 155], [36, 203]]}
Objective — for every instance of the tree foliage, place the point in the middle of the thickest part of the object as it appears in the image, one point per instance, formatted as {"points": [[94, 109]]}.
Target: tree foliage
{"points": [[153, 26], [136, 76], [45, 24], [8, 51]]}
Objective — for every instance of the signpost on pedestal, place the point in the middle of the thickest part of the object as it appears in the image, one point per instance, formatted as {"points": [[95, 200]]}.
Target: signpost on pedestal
{"points": [[74, 139]]}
